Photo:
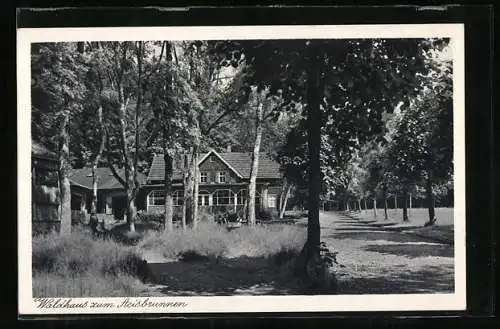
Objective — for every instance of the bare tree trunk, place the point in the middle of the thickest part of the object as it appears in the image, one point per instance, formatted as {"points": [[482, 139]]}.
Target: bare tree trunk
{"points": [[364, 201], [410, 206], [310, 254], [359, 205], [374, 207], [405, 204], [347, 206], [430, 199], [188, 189], [255, 163], [95, 163], [395, 202], [196, 185], [385, 204], [285, 200], [130, 181], [169, 202], [64, 170]]}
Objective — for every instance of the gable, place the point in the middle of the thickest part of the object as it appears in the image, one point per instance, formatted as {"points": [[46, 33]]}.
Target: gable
{"points": [[238, 163], [213, 165]]}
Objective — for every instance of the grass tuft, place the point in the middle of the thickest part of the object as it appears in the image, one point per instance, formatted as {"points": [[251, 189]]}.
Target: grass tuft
{"points": [[79, 264], [215, 241]]}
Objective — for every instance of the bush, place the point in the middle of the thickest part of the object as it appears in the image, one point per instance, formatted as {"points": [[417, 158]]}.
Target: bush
{"points": [[268, 215], [67, 260], [214, 241], [147, 217], [204, 216]]}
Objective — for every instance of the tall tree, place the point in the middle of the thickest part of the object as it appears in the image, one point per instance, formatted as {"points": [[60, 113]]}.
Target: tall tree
{"points": [[120, 66], [57, 93], [363, 77]]}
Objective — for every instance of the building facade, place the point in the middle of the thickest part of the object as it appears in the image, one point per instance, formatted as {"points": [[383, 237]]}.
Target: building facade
{"points": [[223, 182]]}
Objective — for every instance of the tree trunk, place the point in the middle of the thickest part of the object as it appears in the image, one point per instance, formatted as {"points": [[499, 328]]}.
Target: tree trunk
{"points": [[252, 186], [430, 199], [405, 205], [130, 170], [364, 201], [168, 222], [188, 190], [131, 209], [395, 202], [64, 170], [410, 205], [359, 205], [347, 206], [385, 205], [196, 186], [310, 254], [138, 104], [169, 202], [285, 200], [375, 207], [95, 163]]}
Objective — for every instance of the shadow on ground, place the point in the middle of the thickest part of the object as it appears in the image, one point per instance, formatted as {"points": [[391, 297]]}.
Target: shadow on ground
{"points": [[412, 251], [223, 277], [372, 235], [434, 279]]}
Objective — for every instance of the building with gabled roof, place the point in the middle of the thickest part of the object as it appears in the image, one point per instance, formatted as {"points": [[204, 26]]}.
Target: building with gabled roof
{"points": [[223, 181], [111, 196]]}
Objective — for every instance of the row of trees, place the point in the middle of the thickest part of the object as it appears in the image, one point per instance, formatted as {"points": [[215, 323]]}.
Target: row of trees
{"points": [[118, 102], [413, 156]]}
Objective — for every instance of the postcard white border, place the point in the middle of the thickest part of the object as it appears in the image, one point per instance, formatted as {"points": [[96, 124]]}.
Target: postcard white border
{"points": [[395, 302]]}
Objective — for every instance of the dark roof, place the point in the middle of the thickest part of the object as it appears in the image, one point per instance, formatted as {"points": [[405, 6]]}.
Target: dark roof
{"points": [[239, 161], [105, 181], [40, 151]]}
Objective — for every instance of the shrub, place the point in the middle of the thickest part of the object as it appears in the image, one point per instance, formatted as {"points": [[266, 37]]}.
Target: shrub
{"points": [[205, 216], [214, 241], [268, 215], [79, 257], [147, 217]]}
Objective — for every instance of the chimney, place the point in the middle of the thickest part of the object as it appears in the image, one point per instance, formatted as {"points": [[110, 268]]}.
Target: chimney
{"points": [[228, 148]]}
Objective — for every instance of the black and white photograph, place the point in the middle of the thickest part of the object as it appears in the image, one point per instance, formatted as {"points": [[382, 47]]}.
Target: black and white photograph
{"points": [[300, 168]]}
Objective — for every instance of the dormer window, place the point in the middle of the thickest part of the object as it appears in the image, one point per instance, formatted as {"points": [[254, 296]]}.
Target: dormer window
{"points": [[203, 177], [222, 177]]}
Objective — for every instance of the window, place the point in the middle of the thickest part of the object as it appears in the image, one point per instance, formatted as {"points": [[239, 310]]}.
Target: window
{"points": [[203, 177], [241, 197], [223, 197], [178, 197], [271, 200], [157, 198], [211, 158], [222, 177], [203, 198]]}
